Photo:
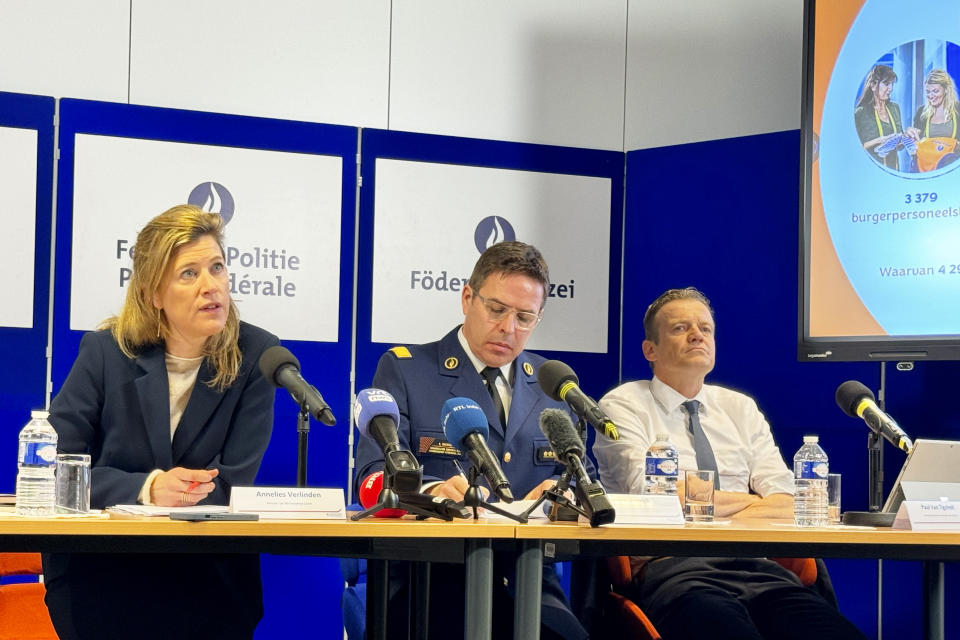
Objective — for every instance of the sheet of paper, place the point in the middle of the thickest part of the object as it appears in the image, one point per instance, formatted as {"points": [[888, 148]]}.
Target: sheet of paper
{"points": [[646, 509], [516, 508], [154, 510]]}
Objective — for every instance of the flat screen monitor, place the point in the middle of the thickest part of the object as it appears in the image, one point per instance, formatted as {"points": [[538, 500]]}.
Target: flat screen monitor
{"points": [[880, 211]]}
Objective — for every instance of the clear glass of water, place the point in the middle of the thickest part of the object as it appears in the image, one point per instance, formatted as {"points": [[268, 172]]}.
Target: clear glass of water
{"points": [[698, 496], [73, 483], [833, 498]]}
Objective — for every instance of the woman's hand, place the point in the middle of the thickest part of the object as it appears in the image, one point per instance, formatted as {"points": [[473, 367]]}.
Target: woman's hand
{"points": [[181, 487]]}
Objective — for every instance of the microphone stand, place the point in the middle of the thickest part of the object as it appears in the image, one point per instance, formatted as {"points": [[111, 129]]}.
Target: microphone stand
{"points": [[875, 477], [390, 499], [564, 508], [473, 498], [874, 517], [303, 430]]}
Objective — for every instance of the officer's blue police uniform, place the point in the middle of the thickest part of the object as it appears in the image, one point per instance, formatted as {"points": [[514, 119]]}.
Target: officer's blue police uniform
{"points": [[421, 379]]}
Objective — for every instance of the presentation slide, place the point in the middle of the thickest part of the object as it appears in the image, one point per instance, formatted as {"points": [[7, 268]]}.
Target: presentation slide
{"points": [[883, 204]]}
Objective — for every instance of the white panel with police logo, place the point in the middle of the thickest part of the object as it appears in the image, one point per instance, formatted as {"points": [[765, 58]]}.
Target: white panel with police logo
{"points": [[433, 220], [282, 235], [18, 218]]}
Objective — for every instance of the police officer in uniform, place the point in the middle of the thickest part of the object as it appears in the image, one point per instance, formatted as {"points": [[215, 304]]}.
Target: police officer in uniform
{"points": [[483, 359]]}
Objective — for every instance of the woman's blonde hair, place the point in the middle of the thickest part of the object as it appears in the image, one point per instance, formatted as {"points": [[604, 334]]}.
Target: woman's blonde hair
{"points": [[950, 102], [140, 324]]}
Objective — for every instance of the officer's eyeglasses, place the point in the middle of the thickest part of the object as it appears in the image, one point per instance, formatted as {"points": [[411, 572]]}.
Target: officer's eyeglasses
{"points": [[497, 311]]}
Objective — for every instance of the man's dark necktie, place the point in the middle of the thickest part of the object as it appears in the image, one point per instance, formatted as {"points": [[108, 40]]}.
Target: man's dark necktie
{"points": [[701, 446], [490, 375]]}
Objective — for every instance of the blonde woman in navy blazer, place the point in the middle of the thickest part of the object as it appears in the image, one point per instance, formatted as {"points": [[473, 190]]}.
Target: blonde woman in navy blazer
{"points": [[176, 349]]}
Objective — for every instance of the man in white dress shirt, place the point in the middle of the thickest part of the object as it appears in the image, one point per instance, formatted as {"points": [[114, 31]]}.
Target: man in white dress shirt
{"points": [[737, 598]]}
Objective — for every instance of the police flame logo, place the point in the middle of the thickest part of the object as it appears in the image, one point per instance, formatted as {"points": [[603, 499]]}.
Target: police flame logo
{"points": [[492, 230], [213, 197]]}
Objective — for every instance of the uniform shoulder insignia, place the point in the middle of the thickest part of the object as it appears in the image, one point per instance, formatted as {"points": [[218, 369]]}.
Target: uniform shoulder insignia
{"points": [[401, 352], [528, 368], [451, 363]]}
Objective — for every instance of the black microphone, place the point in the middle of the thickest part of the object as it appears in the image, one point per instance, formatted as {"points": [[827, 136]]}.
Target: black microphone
{"points": [[560, 383], [465, 426], [857, 401], [282, 368], [376, 414], [556, 425], [443, 507]]}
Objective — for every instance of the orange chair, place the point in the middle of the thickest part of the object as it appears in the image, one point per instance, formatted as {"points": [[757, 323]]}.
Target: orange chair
{"points": [[23, 614], [622, 613]]}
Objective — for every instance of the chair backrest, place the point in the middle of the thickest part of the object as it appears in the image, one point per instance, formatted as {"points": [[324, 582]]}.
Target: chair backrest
{"points": [[632, 622], [20, 564], [619, 569], [804, 568], [23, 614], [622, 614]]}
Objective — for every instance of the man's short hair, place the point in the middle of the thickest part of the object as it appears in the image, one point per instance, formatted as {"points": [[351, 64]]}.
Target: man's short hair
{"points": [[670, 295], [511, 258]]}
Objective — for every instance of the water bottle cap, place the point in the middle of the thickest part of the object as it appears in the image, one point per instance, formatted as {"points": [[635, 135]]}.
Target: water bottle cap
{"points": [[811, 439], [665, 437], [39, 414]]}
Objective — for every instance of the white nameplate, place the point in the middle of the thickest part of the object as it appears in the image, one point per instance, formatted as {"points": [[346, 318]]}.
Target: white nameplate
{"points": [[289, 503], [928, 515], [646, 509]]}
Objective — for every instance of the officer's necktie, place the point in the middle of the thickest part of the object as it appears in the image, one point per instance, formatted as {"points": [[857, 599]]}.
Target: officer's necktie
{"points": [[701, 446], [490, 375]]}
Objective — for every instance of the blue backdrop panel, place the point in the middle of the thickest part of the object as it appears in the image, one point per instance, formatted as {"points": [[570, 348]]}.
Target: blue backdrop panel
{"points": [[325, 365], [23, 358], [597, 371], [723, 216]]}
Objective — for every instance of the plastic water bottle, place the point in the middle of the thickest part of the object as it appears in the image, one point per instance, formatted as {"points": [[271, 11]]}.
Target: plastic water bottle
{"points": [[36, 467], [662, 467], [810, 469]]}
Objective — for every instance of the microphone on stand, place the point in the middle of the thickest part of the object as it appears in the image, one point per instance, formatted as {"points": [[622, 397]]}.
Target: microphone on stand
{"points": [[560, 383], [393, 492], [857, 401], [282, 369], [465, 426], [556, 425], [376, 414]]}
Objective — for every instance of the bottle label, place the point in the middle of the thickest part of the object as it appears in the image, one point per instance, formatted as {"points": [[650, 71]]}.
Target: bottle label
{"points": [[38, 454], [812, 470], [661, 466]]}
